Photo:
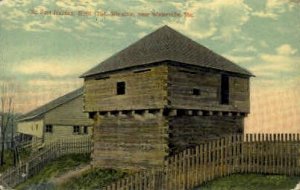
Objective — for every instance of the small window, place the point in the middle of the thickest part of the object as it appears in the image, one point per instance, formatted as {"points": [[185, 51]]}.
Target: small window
{"points": [[49, 128], [121, 88], [196, 92], [224, 89], [85, 129], [76, 129]]}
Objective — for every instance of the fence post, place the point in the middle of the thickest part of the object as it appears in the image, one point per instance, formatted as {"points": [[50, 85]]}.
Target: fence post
{"points": [[27, 169]]}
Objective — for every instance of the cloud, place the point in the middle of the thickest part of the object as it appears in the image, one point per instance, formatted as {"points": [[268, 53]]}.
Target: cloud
{"points": [[49, 83], [37, 92], [144, 24], [38, 26], [264, 14], [218, 18], [239, 59], [53, 67], [273, 9], [20, 3], [273, 65], [286, 49], [19, 15], [283, 63]]}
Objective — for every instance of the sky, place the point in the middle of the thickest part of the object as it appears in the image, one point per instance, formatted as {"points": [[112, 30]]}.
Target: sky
{"points": [[46, 45]]}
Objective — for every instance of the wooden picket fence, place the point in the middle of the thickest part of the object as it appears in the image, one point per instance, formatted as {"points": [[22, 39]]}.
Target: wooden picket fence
{"points": [[49, 152], [252, 153]]}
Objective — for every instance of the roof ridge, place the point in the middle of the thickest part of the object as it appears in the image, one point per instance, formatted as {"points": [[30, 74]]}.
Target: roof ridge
{"points": [[51, 105], [124, 49], [165, 43]]}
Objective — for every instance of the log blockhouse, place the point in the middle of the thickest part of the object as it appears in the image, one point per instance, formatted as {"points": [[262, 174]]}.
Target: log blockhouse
{"points": [[159, 96]]}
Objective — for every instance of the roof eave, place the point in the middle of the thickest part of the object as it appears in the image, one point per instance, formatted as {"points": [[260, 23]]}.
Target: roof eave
{"points": [[27, 116], [87, 74]]}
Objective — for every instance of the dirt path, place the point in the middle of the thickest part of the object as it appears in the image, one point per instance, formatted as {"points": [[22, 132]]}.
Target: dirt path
{"points": [[70, 174], [297, 187]]}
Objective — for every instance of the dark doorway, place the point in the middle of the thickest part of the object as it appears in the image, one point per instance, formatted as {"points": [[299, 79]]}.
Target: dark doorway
{"points": [[225, 89]]}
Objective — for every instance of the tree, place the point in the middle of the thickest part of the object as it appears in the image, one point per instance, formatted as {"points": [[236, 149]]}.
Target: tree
{"points": [[6, 117]]}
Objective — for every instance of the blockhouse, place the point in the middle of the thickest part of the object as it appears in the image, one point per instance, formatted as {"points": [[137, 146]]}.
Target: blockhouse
{"points": [[159, 96]]}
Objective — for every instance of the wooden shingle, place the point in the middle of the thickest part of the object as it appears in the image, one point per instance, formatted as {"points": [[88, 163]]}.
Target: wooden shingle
{"points": [[166, 44]]}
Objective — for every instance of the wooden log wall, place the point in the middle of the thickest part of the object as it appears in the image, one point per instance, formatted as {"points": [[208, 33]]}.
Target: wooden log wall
{"points": [[219, 158], [145, 89], [190, 131], [182, 81], [239, 93], [131, 141]]}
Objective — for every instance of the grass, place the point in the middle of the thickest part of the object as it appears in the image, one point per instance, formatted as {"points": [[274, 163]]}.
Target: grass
{"points": [[9, 158], [55, 168], [94, 179], [90, 179], [252, 182], [97, 178]]}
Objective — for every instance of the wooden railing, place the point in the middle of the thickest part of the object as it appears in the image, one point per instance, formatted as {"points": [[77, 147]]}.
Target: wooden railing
{"points": [[50, 151], [252, 153]]}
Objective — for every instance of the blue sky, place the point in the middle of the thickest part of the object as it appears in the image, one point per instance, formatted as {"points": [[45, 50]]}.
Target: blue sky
{"points": [[44, 54]]}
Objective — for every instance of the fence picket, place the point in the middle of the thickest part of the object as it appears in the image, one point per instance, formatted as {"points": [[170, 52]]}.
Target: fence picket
{"points": [[260, 153], [23, 171]]}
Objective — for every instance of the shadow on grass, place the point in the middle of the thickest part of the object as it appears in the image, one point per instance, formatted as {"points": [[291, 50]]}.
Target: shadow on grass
{"points": [[251, 182]]}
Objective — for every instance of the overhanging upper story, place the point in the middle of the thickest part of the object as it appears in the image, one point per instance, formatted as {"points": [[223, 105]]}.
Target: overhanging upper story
{"points": [[166, 70]]}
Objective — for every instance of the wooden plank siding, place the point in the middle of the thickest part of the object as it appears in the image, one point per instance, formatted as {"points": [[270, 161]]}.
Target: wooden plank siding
{"points": [[62, 119], [182, 81], [144, 90], [70, 113], [65, 131], [34, 128], [130, 142]]}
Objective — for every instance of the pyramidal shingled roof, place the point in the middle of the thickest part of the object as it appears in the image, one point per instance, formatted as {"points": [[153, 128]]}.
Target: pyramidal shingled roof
{"points": [[165, 44], [40, 111]]}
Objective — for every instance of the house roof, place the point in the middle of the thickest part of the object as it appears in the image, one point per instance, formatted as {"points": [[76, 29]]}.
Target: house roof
{"points": [[40, 111], [165, 44]]}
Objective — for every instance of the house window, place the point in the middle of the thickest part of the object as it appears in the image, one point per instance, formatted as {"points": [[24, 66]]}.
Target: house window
{"points": [[196, 92], [121, 88], [85, 129], [49, 128], [224, 89], [76, 129]]}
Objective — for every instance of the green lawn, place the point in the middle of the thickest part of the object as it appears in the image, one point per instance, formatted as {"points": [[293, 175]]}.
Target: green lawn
{"points": [[252, 182], [9, 158], [90, 179], [94, 179], [55, 168], [97, 178]]}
